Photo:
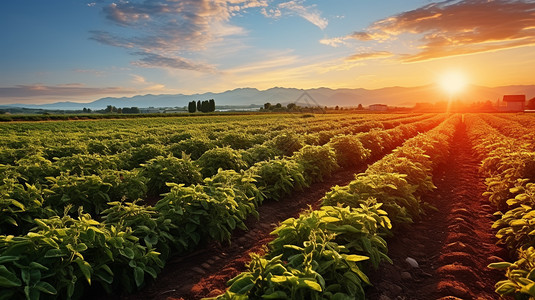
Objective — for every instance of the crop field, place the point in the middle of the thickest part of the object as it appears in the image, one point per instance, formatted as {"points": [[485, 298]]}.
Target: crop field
{"points": [[269, 206]]}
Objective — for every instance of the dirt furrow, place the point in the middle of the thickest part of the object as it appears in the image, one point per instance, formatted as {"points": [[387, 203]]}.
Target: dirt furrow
{"points": [[451, 246]]}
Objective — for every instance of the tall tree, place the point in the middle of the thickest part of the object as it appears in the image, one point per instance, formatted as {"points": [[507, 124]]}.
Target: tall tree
{"points": [[192, 107], [110, 109], [199, 105], [212, 105], [204, 106]]}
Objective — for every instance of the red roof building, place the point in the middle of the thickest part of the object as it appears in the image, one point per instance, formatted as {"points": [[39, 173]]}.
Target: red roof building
{"points": [[514, 102]]}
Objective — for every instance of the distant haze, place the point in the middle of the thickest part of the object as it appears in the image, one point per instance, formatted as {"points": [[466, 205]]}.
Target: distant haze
{"points": [[392, 96]]}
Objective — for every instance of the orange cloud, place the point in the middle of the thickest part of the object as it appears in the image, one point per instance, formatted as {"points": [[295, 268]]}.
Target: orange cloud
{"points": [[369, 55], [452, 28]]}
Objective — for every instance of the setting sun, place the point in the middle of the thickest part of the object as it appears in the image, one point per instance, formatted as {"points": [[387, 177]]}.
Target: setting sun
{"points": [[453, 82]]}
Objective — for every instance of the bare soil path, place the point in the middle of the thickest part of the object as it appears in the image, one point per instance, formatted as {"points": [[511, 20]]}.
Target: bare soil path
{"points": [[451, 246]]}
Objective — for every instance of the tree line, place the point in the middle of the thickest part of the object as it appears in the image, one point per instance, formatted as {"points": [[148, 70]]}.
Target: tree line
{"points": [[201, 106], [124, 110], [294, 107]]}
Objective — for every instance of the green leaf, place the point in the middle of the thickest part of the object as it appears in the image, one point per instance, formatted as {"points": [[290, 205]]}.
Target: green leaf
{"points": [[499, 265], [51, 242], [151, 272], [231, 222], [8, 279], [5, 259], [276, 295], [279, 279], [54, 253], [17, 204], [330, 219], [90, 234], [105, 274], [313, 285], [293, 247], [86, 269], [242, 285], [25, 275], [46, 287], [528, 289], [127, 252], [81, 247], [11, 221], [35, 265], [355, 258], [139, 276]]}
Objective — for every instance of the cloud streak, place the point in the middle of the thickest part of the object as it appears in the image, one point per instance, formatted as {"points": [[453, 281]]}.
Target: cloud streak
{"points": [[151, 60], [71, 89], [162, 31], [369, 55], [452, 28], [309, 13]]}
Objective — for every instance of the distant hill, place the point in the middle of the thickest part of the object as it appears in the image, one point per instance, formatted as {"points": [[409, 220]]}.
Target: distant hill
{"points": [[393, 96]]}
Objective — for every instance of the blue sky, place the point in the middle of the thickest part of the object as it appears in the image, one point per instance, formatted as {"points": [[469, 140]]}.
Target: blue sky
{"points": [[74, 50]]}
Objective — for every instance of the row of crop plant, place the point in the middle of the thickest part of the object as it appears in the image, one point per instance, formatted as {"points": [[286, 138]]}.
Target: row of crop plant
{"points": [[509, 166], [67, 252], [37, 188], [324, 254], [510, 127], [272, 179], [34, 187]]}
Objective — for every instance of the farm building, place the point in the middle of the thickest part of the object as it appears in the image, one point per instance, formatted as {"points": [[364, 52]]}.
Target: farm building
{"points": [[514, 102], [531, 104], [378, 107]]}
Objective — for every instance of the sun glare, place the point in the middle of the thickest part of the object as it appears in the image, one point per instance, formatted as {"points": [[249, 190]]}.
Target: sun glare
{"points": [[453, 82]]}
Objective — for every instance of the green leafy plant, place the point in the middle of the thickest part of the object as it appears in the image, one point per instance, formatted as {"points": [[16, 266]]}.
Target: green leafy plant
{"points": [[195, 147], [259, 153], [86, 164], [287, 143], [62, 256], [220, 158], [520, 275], [201, 213], [391, 189], [236, 140], [161, 170], [318, 162], [349, 151], [279, 177], [19, 204]]}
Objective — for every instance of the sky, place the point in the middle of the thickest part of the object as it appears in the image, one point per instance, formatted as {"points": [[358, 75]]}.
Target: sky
{"points": [[76, 50]]}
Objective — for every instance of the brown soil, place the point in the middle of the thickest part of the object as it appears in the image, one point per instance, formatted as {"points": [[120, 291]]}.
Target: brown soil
{"points": [[452, 245], [205, 272]]}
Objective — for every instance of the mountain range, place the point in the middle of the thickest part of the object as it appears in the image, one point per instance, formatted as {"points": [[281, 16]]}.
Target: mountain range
{"points": [[392, 96]]}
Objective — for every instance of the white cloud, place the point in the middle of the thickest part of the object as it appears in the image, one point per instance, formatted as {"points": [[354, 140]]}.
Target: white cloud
{"points": [[273, 13], [334, 42], [309, 13]]}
